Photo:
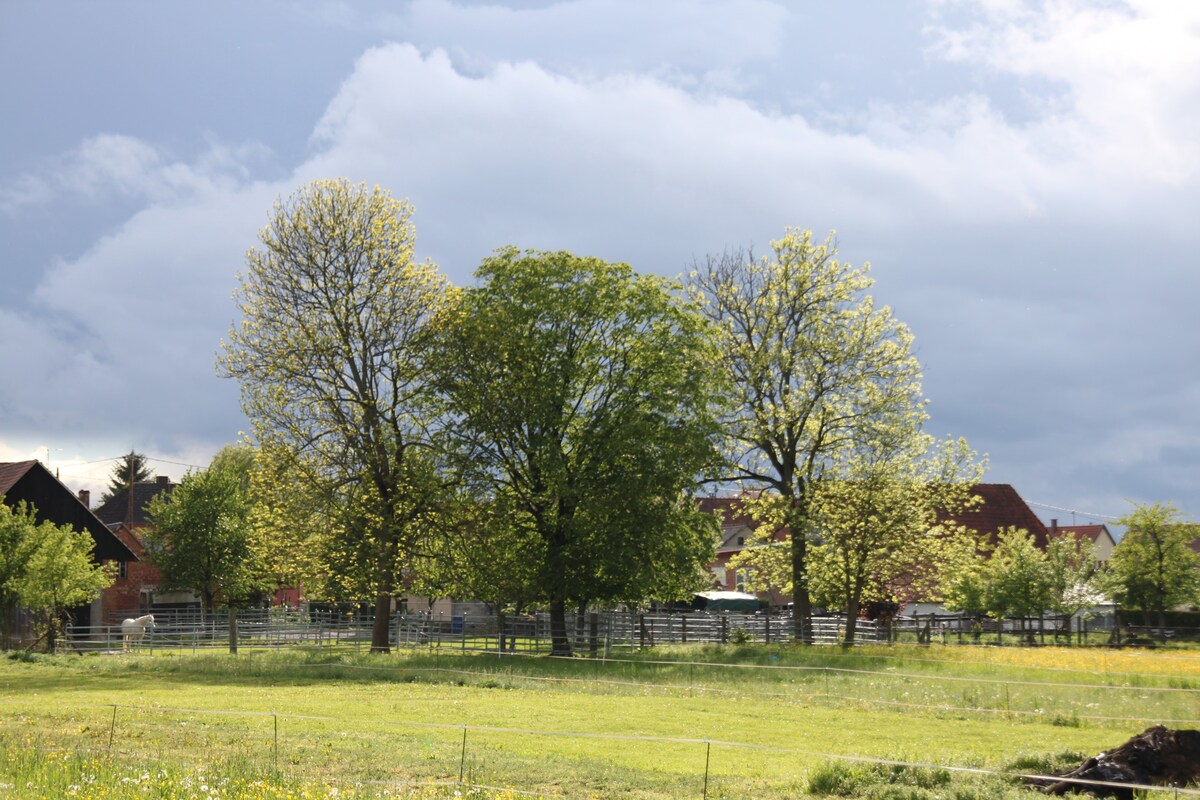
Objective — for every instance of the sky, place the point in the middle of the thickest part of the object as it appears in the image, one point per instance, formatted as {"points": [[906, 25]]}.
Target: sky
{"points": [[1022, 177]]}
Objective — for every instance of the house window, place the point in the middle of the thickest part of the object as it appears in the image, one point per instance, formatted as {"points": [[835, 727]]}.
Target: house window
{"points": [[122, 569], [741, 540], [740, 579]]}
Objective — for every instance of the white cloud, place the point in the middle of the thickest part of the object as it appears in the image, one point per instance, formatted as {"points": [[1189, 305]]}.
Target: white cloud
{"points": [[112, 165], [1019, 249], [693, 42], [1132, 72]]}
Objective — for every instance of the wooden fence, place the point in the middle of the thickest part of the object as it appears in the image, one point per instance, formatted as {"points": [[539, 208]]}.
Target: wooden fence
{"points": [[592, 633]]}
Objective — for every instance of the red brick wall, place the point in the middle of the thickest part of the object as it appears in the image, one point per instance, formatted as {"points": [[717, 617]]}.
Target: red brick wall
{"points": [[123, 598]]}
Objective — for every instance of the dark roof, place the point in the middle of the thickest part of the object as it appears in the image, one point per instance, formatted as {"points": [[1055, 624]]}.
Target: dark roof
{"points": [[117, 508], [1002, 507], [54, 502], [13, 471]]}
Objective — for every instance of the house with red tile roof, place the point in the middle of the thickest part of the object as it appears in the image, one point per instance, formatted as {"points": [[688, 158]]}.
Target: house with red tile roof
{"points": [[999, 507], [1098, 536], [127, 514]]}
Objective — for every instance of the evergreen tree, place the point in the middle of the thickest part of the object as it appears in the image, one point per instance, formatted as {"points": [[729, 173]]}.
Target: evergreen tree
{"points": [[129, 470]]}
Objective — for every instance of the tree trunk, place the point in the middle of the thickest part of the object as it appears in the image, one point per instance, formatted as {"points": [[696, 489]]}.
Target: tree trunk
{"points": [[233, 631], [560, 645], [851, 622], [801, 602], [381, 630]]}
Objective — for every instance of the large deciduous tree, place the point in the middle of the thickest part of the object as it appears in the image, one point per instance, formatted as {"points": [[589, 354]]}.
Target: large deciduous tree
{"points": [[583, 394], [812, 361], [331, 356], [1153, 569]]}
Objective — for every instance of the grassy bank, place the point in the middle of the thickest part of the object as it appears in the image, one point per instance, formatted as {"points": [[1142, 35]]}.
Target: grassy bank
{"points": [[754, 722]]}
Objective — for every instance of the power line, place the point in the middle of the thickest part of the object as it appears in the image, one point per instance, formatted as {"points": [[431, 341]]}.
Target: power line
{"points": [[1074, 511]]}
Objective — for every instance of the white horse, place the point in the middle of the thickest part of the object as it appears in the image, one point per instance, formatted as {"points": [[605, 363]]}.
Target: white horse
{"points": [[134, 630]]}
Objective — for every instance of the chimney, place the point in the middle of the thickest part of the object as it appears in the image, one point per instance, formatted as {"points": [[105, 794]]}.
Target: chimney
{"points": [[1053, 529], [85, 497], [163, 480]]}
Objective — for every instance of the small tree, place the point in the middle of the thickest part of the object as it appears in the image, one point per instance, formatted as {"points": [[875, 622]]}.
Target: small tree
{"points": [[59, 575], [1017, 577], [1152, 569], [1013, 578], [129, 470], [17, 542], [201, 539], [1072, 570], [876, 525]]}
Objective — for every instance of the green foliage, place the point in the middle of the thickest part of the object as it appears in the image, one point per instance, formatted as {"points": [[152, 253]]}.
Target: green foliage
{"points": [[1152, 569], [201, 537], [876, 523], [332, 357], [1073, 576], [812, 363], [131, 469], [1016, 579], [46, 568], [17, 541], [873, 780], [583, 395]]}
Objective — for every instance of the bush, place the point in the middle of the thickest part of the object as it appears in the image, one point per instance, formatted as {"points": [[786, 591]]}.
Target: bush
{"points": [[877, 781]]}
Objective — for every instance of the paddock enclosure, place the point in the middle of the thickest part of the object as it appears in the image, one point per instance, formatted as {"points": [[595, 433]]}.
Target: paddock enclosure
{"points": [[592, 633]]}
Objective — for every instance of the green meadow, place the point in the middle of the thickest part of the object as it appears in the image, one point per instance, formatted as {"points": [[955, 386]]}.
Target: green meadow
{"points": [[905, 723]]}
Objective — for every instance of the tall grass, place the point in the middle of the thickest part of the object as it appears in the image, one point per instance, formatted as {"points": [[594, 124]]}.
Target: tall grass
{"points": [[678, 722]]}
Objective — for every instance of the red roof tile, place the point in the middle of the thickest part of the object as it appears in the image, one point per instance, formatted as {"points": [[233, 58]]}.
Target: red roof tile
{"points": [[1002, 507]]}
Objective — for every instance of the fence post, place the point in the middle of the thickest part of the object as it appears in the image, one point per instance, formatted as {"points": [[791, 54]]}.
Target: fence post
{"points": [[275, 749], [707, 757], [724, 628], [767, 633], [593, 633], [462, 761], [112, 728], [641, 631]]}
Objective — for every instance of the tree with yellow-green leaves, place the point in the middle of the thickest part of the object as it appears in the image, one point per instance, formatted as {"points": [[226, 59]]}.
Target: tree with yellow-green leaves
{"points": [[332, 356], [876, 522], [47, 569], [1153, 569], [813, 362]]}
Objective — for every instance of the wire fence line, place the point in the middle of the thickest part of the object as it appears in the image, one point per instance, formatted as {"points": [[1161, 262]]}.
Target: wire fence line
{"points": [[809, 668], [706, 742], [808, 696]]}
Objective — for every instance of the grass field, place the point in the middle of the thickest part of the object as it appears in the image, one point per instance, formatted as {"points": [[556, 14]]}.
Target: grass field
{"points": [[751, 722]]}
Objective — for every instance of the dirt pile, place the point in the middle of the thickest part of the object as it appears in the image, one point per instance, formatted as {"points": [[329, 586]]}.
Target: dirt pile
{"points": [[1158, 757]]}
